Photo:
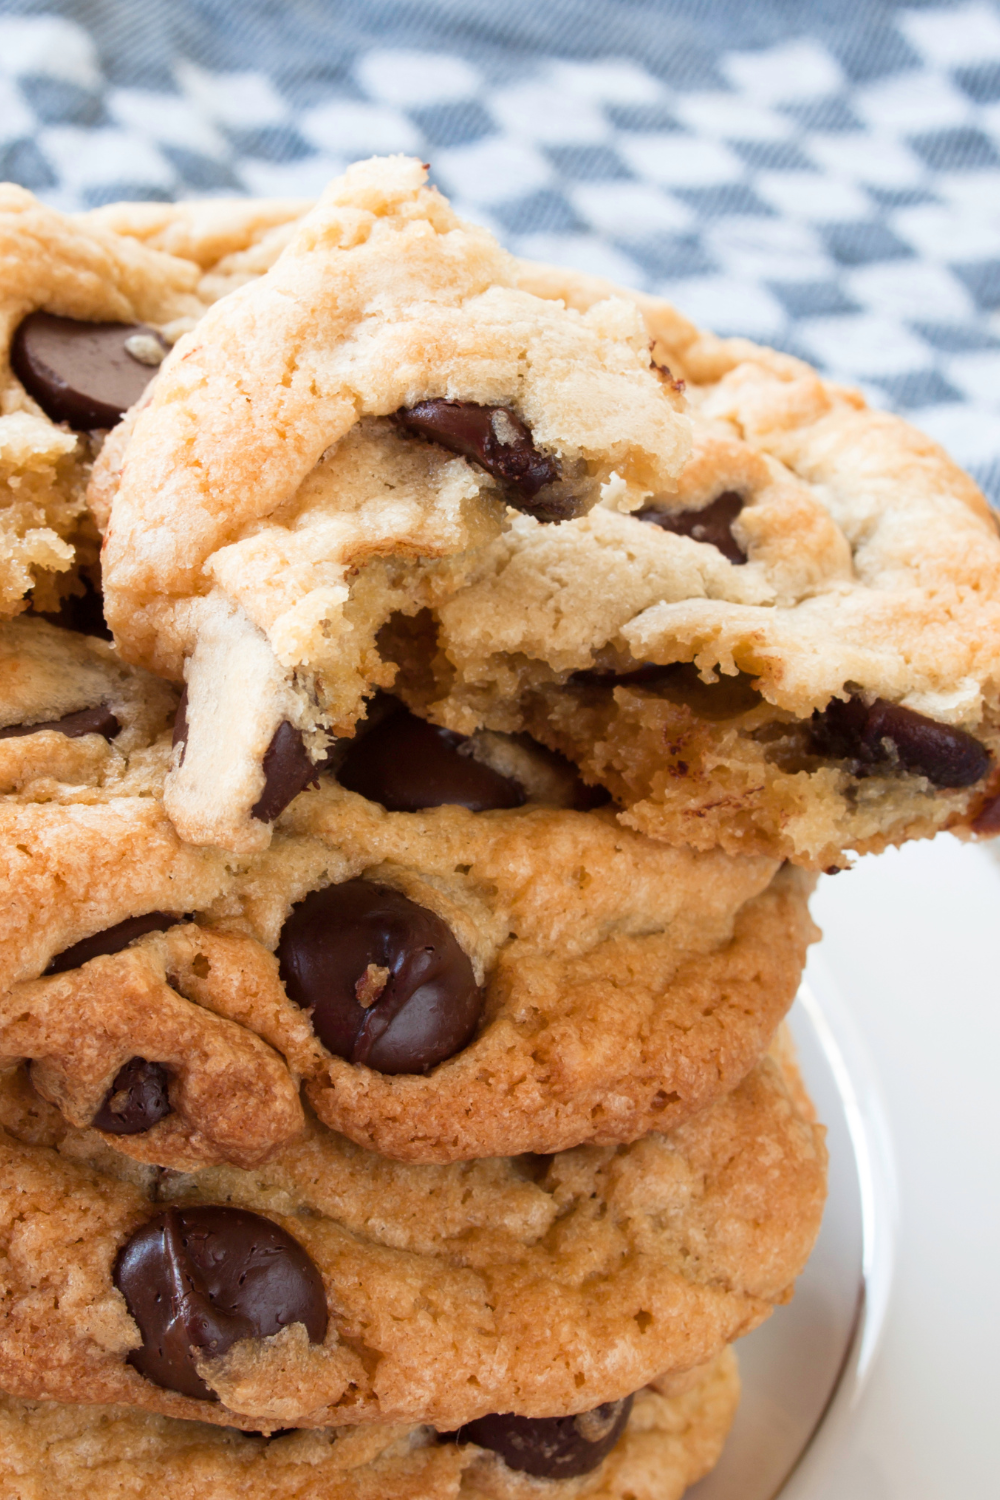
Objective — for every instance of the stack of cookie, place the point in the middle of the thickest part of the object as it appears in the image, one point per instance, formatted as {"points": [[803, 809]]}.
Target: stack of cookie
{"points": [[402, 910]]}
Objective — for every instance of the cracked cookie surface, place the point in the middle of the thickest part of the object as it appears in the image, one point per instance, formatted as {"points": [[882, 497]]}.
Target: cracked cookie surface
{"points": [[620, 985], [673, 1437], [268, 451], [625, 984], [541, 1285], [855, 565]]}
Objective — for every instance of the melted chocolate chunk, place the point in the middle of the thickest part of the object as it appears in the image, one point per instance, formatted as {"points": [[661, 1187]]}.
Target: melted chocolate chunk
{"points": [[99, 720], [495, 438], [136, 1100], [198, 1279], [385, 980], [712, 523], [84, 374], [884, 733], [287, 771], [113, 939], [407, 764], [551, 1447]]}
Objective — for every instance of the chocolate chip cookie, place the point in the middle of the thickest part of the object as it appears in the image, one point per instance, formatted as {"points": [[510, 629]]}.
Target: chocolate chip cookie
{"points": [[85, 319], [672, 1435], [73, 716], [230, 240], [456, 960], [379, 401], [586, 983], [794, 652], [333, 1286]]}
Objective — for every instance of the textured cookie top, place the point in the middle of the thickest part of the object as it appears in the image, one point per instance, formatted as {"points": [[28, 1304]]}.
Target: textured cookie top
{"points": [[795, 652], [544, 1286], [54, 263], [266, 507], [625, 984], [75, 721], [873, 559], [382, 299], [207, 231], [673, 1437], [77, 269], [608, 984]]}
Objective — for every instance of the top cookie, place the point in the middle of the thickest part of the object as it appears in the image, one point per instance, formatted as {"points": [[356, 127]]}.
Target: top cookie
{"points": [[267, 505], [798, 654]]}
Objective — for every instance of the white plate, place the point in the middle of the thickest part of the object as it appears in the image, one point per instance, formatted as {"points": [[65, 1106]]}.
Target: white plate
{"points": [[804, 1369]]}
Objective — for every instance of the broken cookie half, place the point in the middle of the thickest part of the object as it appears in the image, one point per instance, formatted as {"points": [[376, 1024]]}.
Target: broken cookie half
{"points": [[329, 446], [796, 652]]}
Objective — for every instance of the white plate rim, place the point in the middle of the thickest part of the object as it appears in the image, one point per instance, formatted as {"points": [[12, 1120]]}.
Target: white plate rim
{"points": [[865, 1115]]}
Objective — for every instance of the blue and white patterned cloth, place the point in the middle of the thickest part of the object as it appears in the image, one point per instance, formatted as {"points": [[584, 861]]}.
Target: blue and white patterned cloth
{"points": [[825, 178]]}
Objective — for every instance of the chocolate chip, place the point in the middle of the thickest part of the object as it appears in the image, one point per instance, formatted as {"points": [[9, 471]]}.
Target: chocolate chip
{"points": [[385, 979], [112, 939], [136, 1100], [286, 766], [407, 764], [84, 374], [99, 720], [551, 1447], [712, 523], [882, 733], [198, 1279], [287, 771], [495, 438]]}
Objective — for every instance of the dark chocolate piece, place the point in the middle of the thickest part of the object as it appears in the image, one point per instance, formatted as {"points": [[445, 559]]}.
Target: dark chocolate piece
{"points": [[384, 978], [99, 720], [495, 438], [881, 733], [551, 1447], [712, 523], [136, 1100], [287, 771], [286, 765], [407, 764], [113, 939], [198, 1279], [84, 374]]}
